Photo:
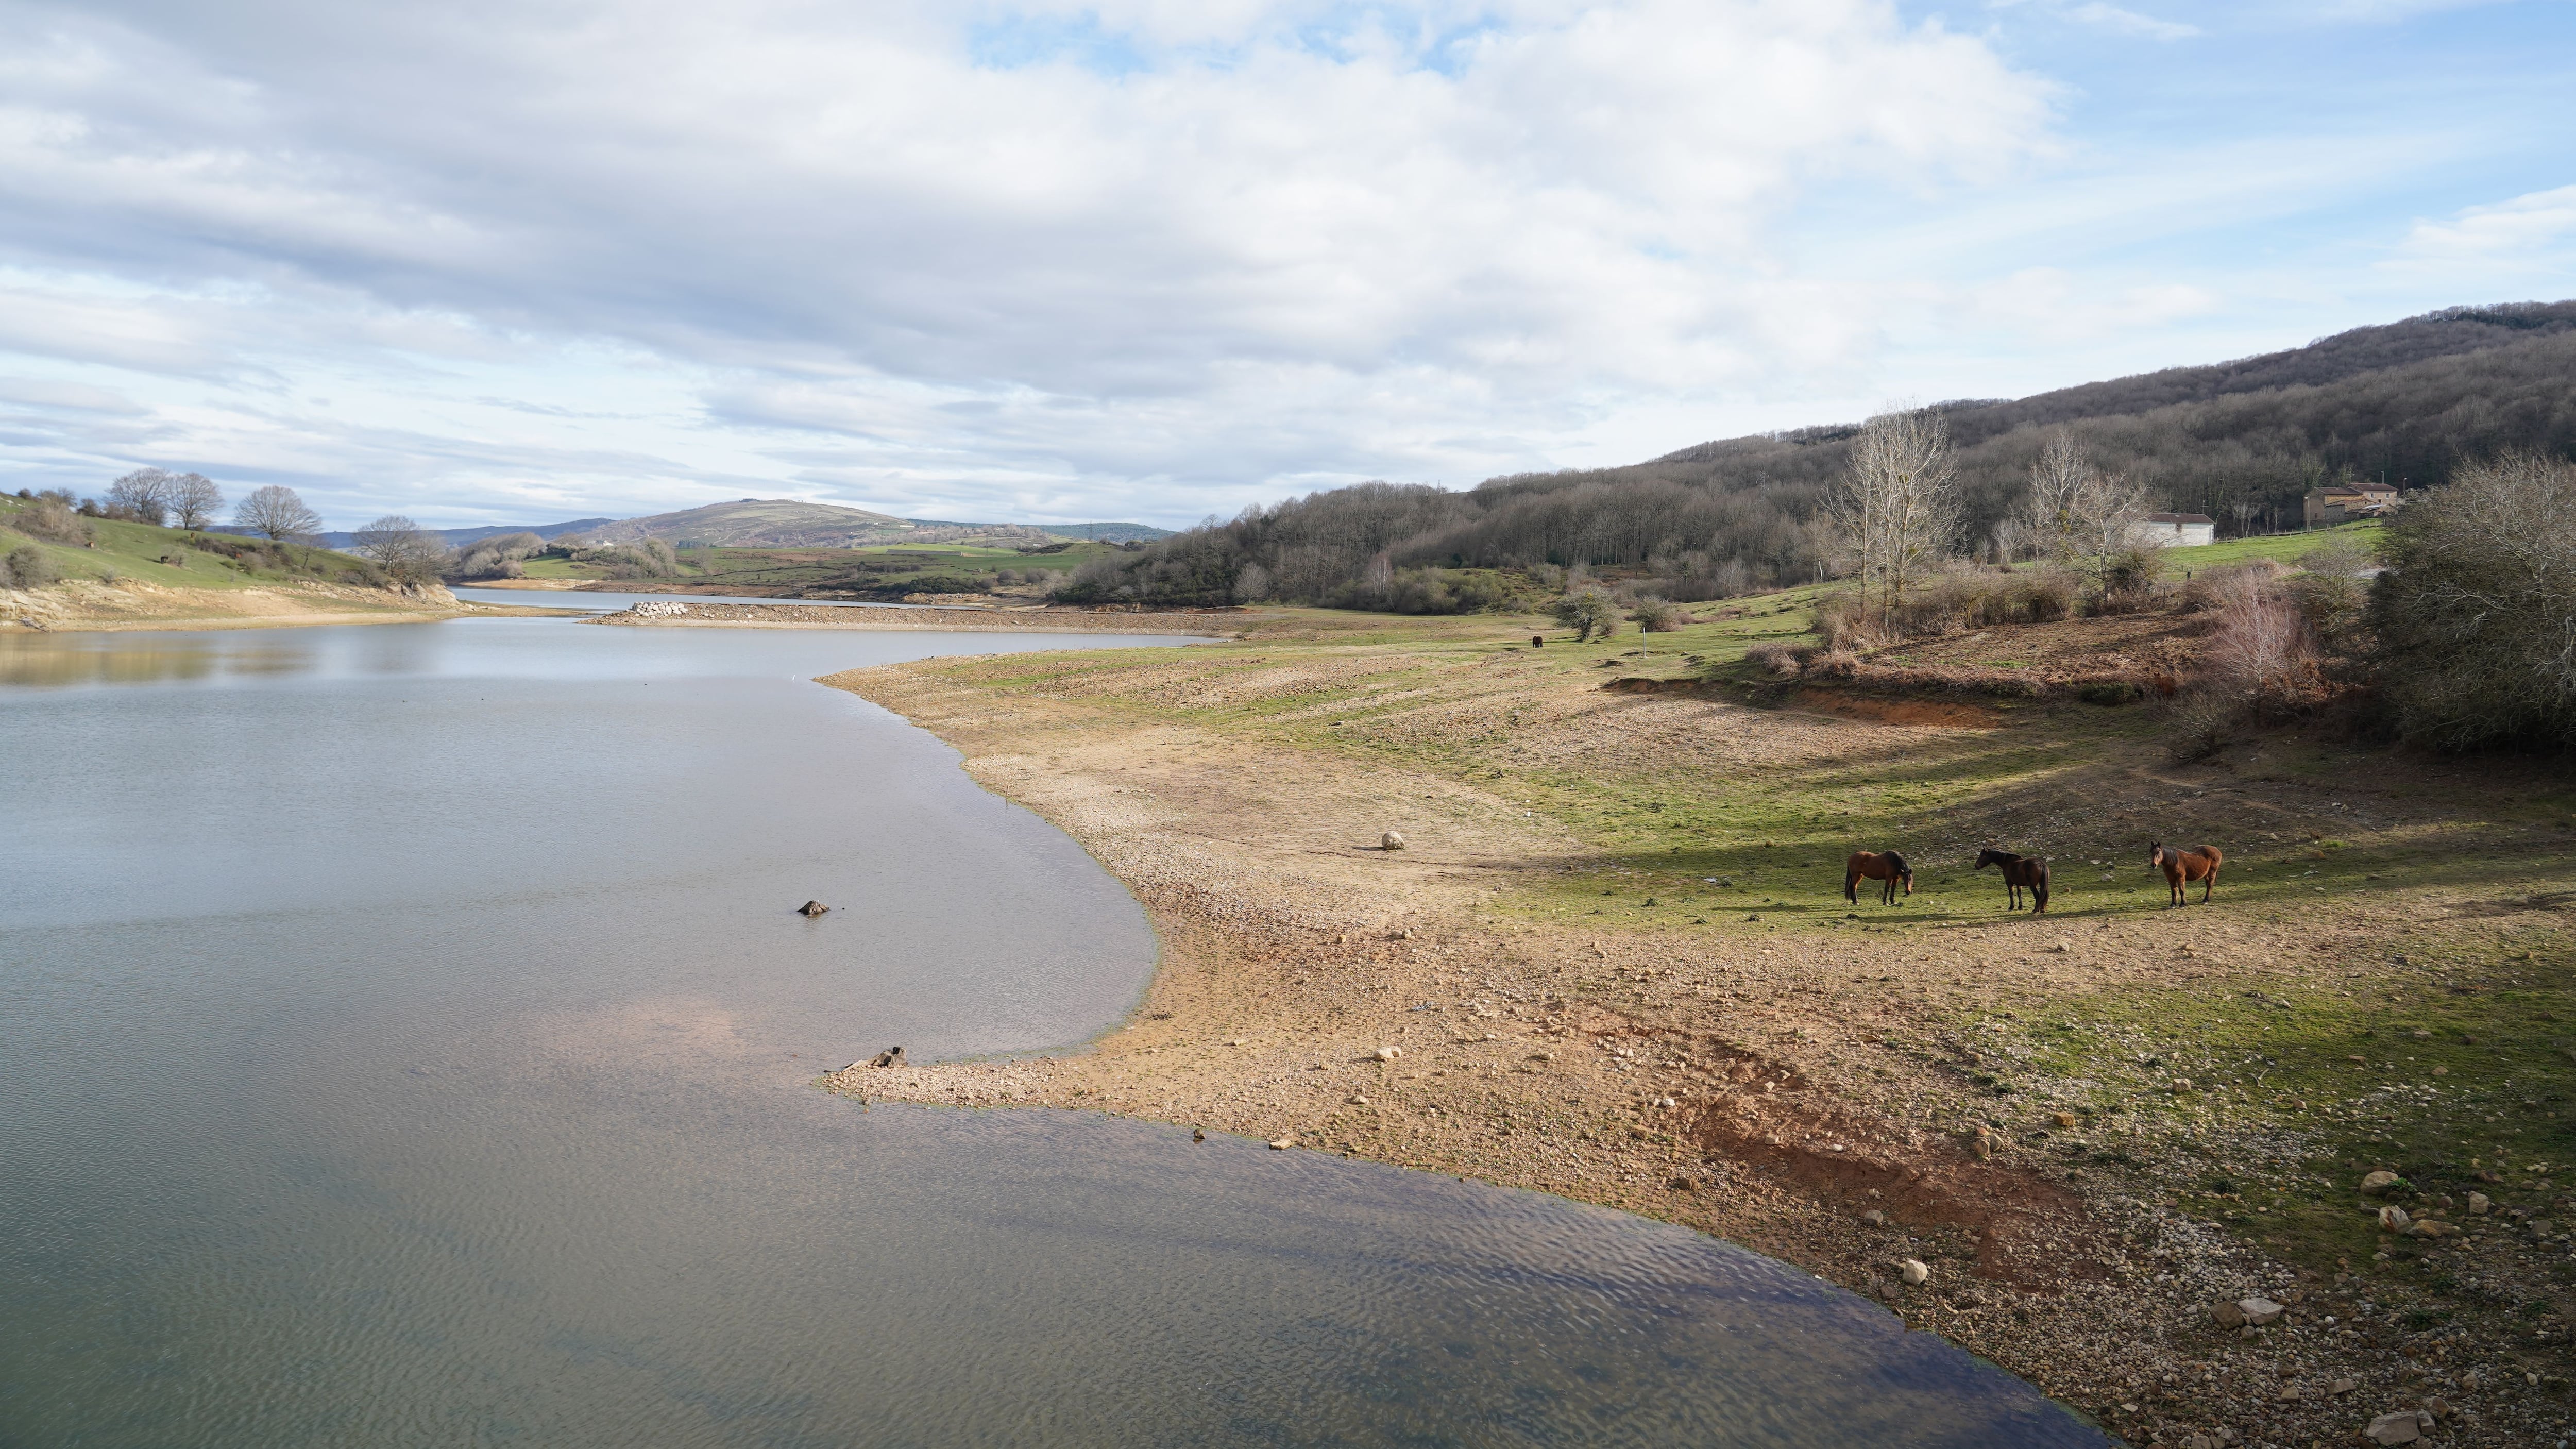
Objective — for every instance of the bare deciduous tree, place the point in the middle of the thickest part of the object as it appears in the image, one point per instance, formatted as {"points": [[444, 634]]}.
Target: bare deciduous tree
{"points": [[1896, 512], [194, 499], [276, 512], [2079, 516], [406, 552], [143, 494]]}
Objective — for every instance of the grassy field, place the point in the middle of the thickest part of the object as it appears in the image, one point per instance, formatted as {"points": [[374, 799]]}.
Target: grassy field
{"points": [[167, 557], [2289, 548]]}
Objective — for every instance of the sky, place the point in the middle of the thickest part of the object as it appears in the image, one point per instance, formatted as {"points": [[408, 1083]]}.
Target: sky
{"points": [[489, 263]]}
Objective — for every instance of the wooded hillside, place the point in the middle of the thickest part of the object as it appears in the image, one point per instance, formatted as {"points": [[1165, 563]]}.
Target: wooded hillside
{"points": [[2240, 441]]}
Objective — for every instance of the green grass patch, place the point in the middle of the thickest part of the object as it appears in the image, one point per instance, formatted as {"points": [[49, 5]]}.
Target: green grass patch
{"points": [[2450, 1068], [174, 558], [2288, 548]]}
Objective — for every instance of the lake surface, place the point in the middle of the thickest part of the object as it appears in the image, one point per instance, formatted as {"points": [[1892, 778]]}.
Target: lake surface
{"points": [[410, 1041]]}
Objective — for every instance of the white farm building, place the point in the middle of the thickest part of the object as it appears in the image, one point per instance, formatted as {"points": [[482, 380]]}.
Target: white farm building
{"points": [[2180, 529]]}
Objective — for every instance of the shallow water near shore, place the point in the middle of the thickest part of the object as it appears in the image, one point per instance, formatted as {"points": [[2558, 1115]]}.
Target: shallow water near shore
{"points": [[411, 1041]]}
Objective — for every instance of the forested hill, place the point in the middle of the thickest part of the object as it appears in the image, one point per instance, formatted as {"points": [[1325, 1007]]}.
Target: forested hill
{"points": [[2240, 441]]}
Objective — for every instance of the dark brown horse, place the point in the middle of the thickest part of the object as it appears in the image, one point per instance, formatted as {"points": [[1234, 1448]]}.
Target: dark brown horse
{"points": [[2020, 872], [2184, 866], [1884, 865]]}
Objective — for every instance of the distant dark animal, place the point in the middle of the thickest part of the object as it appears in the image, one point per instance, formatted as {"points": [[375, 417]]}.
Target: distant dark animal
{"points": [[2181, 867], [2020, 873], [1884, 865], [1538, 641], [812, 908]]}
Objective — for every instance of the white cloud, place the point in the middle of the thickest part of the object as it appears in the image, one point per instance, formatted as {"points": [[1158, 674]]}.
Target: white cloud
{"points": [[2130, 22], [1270, 241], [2538, 224]]}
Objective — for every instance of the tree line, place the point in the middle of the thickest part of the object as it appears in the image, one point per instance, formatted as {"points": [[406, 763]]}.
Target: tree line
{"points": [[2413, 401]]}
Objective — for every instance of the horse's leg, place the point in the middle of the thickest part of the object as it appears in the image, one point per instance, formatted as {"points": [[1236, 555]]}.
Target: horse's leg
{"points": [[2208, 883]]}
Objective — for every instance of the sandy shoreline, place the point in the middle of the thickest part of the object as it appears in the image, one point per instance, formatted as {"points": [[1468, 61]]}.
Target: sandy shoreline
{"points": [[1797, 1095]]}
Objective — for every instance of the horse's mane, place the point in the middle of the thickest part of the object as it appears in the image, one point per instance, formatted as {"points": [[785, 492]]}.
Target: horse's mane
{"points": [[1895, 860]]}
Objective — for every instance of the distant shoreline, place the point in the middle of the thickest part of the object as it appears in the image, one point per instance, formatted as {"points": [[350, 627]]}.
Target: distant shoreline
{"points": [[917, 617]]}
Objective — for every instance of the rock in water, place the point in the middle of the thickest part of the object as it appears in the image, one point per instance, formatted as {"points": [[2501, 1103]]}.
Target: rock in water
{"points": [[1282, 1144], [1198, 1134], [890, 1057], [812, 908], [1913, 1271], [1390, 841]]}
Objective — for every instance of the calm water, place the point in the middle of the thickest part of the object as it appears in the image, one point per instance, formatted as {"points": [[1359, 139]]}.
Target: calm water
{"points": [[409, 1041]]}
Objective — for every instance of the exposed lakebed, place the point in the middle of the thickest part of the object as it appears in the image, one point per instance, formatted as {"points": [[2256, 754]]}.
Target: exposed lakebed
{"points": [[411, 1041]]}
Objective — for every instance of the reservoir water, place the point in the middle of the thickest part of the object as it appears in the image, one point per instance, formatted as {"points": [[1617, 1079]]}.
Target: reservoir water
{"points": [[409, 1040]]}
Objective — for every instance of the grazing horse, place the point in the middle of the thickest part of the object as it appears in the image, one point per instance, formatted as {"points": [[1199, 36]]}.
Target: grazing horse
{"points": [[2020, 872], [1885, 865], [2184, 866]]}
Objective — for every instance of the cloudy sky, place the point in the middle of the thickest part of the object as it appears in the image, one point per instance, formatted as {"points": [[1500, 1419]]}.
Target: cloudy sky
{"points": [[482, 261]]}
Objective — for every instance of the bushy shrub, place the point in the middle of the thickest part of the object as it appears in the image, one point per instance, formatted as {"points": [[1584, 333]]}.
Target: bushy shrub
{"points": [[2109, 692], [51, 518], [2475, 621], [1655, 616], [1586, 611], [650, 558], [1842, 619], [1783, 660], [2211, 587], [27, 567], [2133, 570], [497, 557], [2048, 595]]}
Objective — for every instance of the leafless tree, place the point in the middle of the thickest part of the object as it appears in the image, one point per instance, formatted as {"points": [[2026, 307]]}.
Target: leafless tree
{"points": [[1896, 511], [406, 552], [275, 512], [143, 494], [2079, 516], [194, 499]]}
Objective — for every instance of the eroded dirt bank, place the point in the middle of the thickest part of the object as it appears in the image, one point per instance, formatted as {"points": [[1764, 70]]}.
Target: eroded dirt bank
{"points": [[1807, 1080]]}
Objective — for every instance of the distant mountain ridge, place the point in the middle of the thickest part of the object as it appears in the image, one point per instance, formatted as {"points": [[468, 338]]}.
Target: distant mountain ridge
{"points": [[794, 523], [343, 539], [777, 523]]}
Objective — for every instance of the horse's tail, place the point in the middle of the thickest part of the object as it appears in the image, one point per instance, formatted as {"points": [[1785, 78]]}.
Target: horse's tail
{"points": [[2039, 886]]}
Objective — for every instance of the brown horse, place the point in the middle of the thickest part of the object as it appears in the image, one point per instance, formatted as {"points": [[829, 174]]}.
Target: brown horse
{"points": [[2020, 872], [1884, 865], [2184, 866]]}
